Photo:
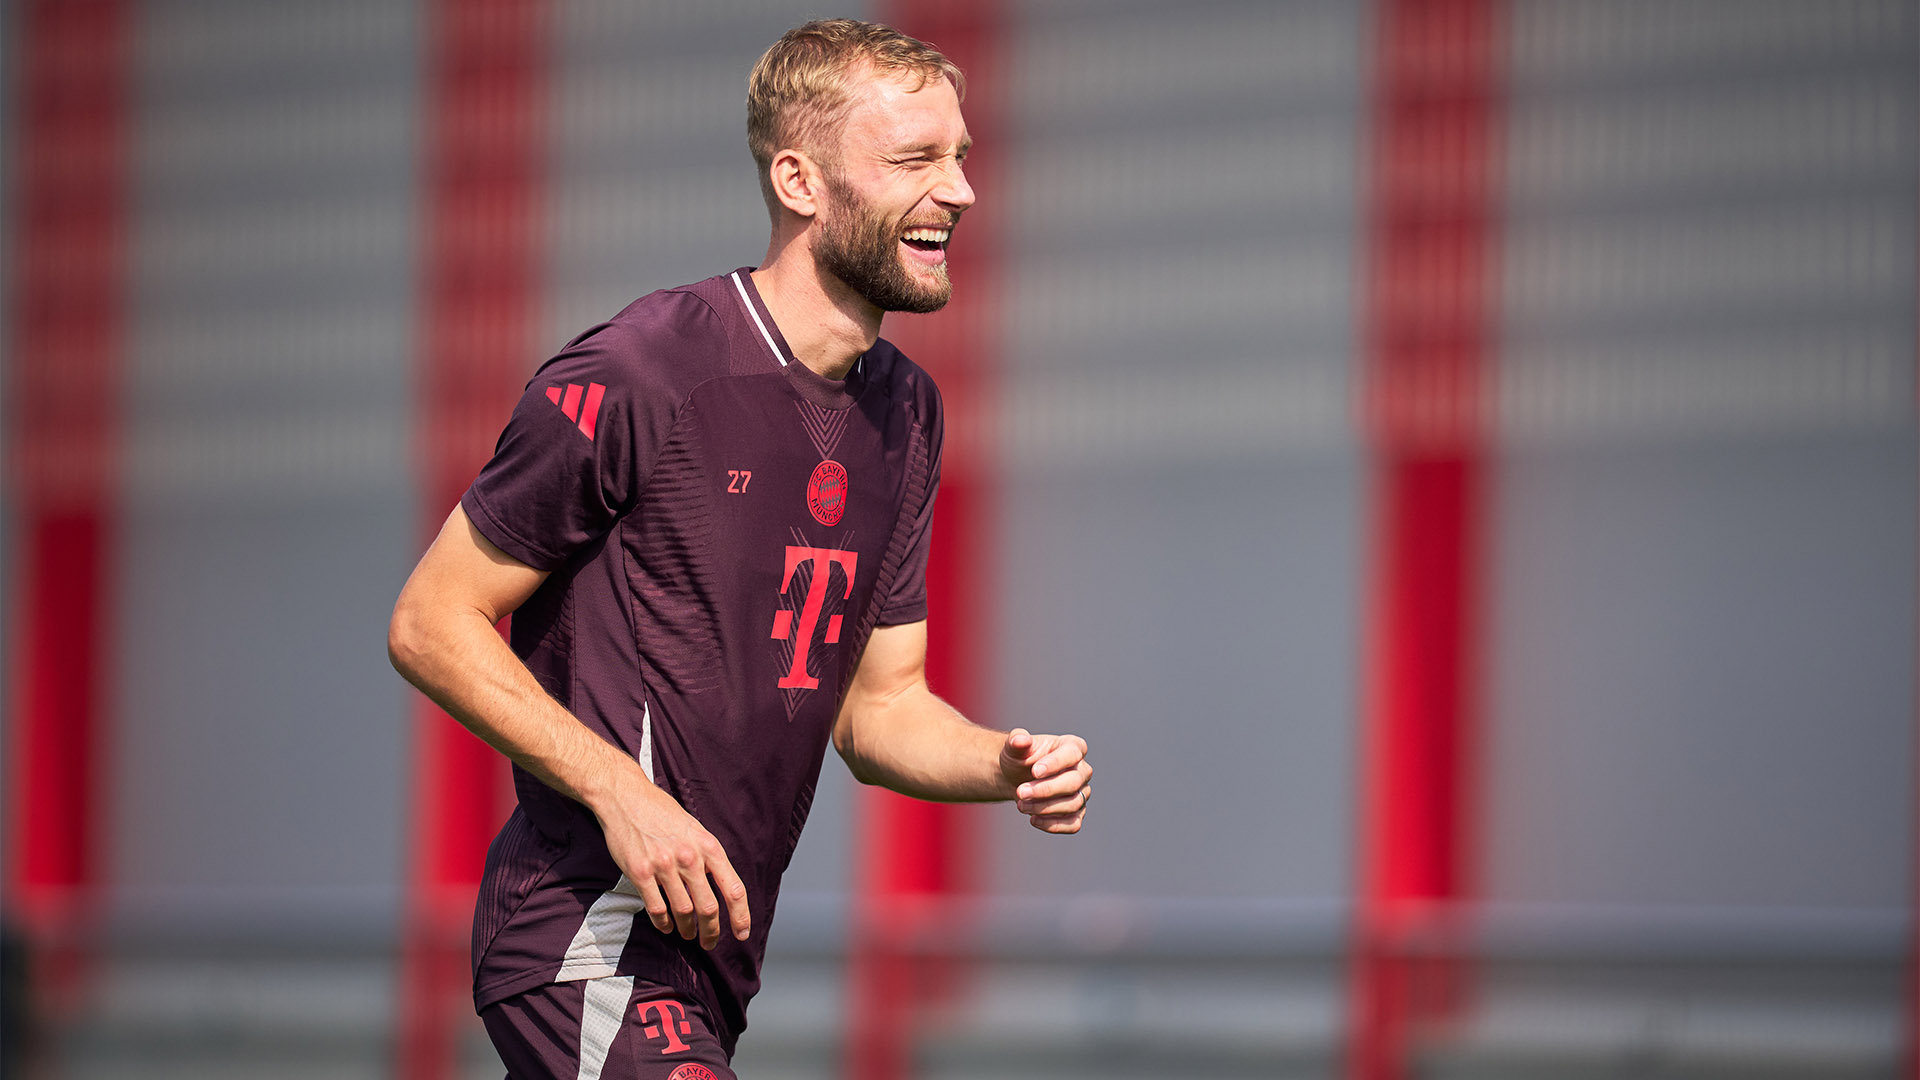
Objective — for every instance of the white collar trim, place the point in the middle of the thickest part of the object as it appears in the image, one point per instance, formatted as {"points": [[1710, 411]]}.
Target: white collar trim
{"points": [[755, 315]]}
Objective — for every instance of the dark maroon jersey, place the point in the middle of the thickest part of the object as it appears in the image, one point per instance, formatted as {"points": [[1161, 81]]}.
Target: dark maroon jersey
{"points": [[723, 528]]}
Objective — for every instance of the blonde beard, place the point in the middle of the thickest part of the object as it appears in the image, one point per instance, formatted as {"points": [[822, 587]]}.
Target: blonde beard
{"points": [[863, 252]]}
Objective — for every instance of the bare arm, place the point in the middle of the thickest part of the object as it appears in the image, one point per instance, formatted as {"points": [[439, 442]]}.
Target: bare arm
{"points": [[893, 731], [442, 639]]}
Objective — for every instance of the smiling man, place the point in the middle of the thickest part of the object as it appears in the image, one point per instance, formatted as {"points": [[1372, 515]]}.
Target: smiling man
{"points": [[709, 516]]}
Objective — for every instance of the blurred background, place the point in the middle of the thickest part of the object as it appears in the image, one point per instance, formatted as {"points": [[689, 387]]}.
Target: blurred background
{"points": [[1454, 461]]}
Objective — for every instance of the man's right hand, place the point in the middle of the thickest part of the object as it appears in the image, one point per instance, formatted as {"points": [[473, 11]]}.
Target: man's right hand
{"points": [[442, 639], [670, 856]]}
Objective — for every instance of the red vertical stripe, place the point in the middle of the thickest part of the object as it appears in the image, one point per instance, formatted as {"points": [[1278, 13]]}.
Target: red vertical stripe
{"points": [[1430, 351], [487, 89], [70, 265], [914, 850]]}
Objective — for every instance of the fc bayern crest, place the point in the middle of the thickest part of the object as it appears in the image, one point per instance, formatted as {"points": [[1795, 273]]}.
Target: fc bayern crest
{"points": [[827, 492], [693, 1071]]}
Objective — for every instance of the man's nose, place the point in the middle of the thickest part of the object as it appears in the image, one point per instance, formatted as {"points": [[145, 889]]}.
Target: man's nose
{"points": [[954, 192]]}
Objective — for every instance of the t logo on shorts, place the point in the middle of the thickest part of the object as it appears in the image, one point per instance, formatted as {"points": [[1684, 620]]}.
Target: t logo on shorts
{"points": [[671, 1014]]}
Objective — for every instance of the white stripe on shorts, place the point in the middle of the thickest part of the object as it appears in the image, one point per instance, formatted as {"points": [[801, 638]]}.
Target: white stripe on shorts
{"points": [[601, 1014]]}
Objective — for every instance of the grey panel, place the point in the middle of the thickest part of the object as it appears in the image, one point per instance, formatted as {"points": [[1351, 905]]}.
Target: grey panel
{"points": [[263, 741], [1704, 692], [1198, 627], [1615, 42], [1702, 684], [1179, 542], [263, 745]]}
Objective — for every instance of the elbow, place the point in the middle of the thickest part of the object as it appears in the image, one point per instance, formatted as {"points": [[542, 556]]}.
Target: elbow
{"points": [[406, 640], [843, 743]]}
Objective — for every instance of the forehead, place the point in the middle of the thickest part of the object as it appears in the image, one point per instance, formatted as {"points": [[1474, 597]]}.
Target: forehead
{"points": [[893, 111]]}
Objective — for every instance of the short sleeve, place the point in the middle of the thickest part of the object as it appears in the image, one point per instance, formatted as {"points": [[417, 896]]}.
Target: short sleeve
{"points": [[568, 464], [906, 600]]}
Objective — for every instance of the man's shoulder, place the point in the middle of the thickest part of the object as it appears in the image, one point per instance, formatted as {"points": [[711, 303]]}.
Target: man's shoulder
{"points": [[673, 318], [904, 380], [670, 338]]}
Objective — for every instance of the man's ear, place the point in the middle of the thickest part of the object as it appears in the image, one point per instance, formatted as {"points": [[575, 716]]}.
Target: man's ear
{"points": [[797, 182]]}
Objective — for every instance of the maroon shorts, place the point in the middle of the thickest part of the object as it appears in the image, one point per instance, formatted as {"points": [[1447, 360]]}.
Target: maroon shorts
{"points": [[611, 1028]]}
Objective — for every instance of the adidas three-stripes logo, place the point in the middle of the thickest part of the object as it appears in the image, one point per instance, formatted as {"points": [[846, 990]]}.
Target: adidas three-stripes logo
{"points": [[585, 413]]}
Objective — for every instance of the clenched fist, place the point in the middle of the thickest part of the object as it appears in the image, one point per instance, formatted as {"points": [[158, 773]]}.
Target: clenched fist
{"points": [[1050, 776]]}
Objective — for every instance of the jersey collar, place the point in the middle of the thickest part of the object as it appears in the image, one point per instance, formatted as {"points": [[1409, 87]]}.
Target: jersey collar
{"points": [[762, 320], [758, 314]]}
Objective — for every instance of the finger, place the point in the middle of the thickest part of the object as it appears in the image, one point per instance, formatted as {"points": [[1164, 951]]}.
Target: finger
{"points": [[1054, 787], [1059, 824], [657, 910], [732, 890], [1066, 804], [1068, 751], [706, 906], [675, 890], [1018, 747]]}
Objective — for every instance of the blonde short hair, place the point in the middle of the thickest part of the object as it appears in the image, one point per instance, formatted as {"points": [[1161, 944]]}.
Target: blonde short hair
{"points": [[801, 86]]}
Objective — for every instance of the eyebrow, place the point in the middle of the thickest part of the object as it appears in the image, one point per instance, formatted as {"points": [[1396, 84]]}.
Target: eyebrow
{"points": [[966, 144]]}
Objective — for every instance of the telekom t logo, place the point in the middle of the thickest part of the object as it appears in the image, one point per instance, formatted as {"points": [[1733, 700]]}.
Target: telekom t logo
{"points": [[670, 1014], [823, 560]]}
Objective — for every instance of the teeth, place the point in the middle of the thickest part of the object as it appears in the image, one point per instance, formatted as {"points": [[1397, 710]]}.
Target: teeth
{"points": [[932, 236]]}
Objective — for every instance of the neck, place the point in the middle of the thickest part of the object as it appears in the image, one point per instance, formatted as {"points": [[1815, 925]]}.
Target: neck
{"points": [[827, 325]]}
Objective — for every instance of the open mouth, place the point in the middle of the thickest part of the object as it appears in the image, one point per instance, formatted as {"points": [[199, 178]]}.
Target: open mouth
{"points": [[928, 242]]}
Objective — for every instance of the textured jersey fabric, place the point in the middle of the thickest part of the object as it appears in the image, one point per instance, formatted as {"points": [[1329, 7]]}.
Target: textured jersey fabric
{"points": [[723, 529]]}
